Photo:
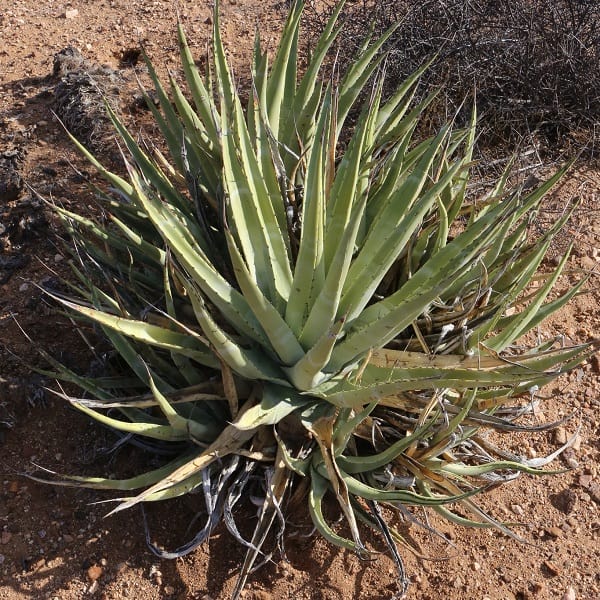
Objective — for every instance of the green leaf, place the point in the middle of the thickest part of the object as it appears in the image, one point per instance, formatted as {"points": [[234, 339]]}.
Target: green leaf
{"points": [[318, 488], [306, 373], [309, 273], [281, 84], [247, 362], [147, 333], [390, 231], [404, 371], [282, 339]]}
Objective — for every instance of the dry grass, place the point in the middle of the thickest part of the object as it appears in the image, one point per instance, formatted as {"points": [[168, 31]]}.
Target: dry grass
{"points": [[534, 65]]}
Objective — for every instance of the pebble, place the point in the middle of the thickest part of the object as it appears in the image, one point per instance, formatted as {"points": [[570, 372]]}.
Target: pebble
{"points": [[572, 463], [555, 532], [569, 594], [538, 588], [156, 574], [71, 13], [554, 570], [585, 480], [594, 491], [517, 509], [588, 263], [560, 435], [23, 287], [94, 572], [5, 537], [169, 590], [58, 258]]}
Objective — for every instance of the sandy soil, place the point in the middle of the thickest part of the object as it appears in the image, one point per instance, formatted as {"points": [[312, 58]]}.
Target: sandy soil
{"points": [[55, 543]]}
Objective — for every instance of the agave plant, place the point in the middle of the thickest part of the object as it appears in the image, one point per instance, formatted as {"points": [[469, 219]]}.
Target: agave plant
{"points": [[304, 303]]}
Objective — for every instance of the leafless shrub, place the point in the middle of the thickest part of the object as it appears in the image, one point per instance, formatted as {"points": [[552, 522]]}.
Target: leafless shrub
{"points": [[534, 65], [80, 95]]}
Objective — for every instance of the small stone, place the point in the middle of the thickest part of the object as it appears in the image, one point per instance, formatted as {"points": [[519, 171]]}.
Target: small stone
{"points": [[156, 575], [169, 590], [560, 435], [58, 258], [67, 538], [476, 566], [552, 568], [594, 491], [5, 537], [569, 594], [95, 572], [71, 13], [23, 287], [517, 509], [538, 588], [585, 481], [554, 532], [588, 263], [572, 463]]}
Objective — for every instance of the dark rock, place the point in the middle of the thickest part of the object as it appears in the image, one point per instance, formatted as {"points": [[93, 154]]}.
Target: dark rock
{"points": [[23, 221], [10, 264], [11, 182]]}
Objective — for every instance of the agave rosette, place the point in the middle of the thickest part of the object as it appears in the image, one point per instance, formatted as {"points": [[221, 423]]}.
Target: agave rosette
{"points": [[310, 310]]}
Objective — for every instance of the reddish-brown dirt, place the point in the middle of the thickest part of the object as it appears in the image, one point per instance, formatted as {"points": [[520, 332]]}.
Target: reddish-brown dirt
{"points": [[55, 543]]}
